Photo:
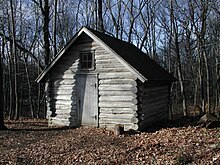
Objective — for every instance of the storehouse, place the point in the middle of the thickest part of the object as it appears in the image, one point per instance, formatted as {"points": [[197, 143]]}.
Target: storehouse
{"points": [[101, 81]]}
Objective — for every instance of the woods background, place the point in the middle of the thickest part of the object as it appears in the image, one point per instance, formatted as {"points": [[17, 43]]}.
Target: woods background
{"points": [[183, 36]]}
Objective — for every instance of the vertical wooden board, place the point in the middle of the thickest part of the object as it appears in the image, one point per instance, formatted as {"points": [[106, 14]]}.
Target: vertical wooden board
{"points": [[87, 99]]}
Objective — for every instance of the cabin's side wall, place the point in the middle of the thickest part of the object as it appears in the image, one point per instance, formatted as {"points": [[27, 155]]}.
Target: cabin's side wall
{"points": [[117, 88], [154, 104]]}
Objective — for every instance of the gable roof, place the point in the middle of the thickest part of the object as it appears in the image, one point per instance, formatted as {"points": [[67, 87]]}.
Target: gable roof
{"points": [[133, 58]]}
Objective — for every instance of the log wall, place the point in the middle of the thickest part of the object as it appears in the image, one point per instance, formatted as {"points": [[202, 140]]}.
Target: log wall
{"points": [[153, 104], [117, 88]]}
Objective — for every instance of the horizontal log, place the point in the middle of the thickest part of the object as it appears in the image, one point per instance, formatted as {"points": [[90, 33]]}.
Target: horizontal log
{"points": [[118, 93], [106, 62], [148, 121], [65, 97], [117, 105], [148, 100], [154, 94], [64, 87], [66, 115], [63, 102], [119, 81], [108, 70], [115, 87], [65, 107], [151, 105], [155, 88], [66, 111], [63, 122], [118, 98], [103, 55], [117, 116], [121, 75], [104, 120], [127, 126], [116, 65], [61, 92], [154, 114], [117, 110]]}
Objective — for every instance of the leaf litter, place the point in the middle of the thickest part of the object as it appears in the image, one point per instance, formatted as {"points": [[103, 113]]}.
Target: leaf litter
{"points": [[32, 142]]}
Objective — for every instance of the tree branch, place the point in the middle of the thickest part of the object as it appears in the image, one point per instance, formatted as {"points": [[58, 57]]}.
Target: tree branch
{"points": [[20, 47]]}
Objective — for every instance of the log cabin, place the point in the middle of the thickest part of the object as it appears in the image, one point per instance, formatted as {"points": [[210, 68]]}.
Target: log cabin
{"points": [[98, 80]]}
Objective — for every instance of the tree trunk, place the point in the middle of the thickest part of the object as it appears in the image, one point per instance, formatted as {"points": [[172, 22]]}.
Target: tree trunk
{"points": [[174, 30], [46, 32], [55, 29], [16, 115], [2, 125], [29, 88], [100, 18]]}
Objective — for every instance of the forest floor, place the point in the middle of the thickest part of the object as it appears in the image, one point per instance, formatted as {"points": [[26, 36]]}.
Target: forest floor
{"points": [[32, 142]]}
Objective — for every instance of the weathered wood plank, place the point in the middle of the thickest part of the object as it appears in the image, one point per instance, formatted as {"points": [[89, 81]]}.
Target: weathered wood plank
{"points": [[64, 102], [153, 104], [108, 70], [65, 107], [62, 122], [106, 62], [125, 87], [118, 81], [103, 55], [118, 65], [118, 111], [118, 98], [117, 105], [105, 120], [64, 87], [62, 92], [155, 88], [65, 97], [120, 75], [117, 116], [118, 93]]}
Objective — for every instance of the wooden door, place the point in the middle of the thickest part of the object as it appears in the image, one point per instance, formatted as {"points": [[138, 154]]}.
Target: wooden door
{"points": [[87, 95]]}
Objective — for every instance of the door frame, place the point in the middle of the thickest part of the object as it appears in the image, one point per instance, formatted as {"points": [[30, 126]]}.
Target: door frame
{"points": [[79, 120]]}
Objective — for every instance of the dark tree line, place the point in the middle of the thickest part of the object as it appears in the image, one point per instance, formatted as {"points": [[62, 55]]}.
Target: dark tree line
{"points": [[183, 36]]}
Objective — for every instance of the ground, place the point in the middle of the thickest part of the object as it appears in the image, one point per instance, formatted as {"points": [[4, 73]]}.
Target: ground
{"points": [[32, 142]]}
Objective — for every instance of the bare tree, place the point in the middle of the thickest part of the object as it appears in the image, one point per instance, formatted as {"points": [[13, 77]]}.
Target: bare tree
{"points": [[174, 42], [100, 18], [14, 52], [2, 125], [200, 32], [55, 29], [45, 10]]}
